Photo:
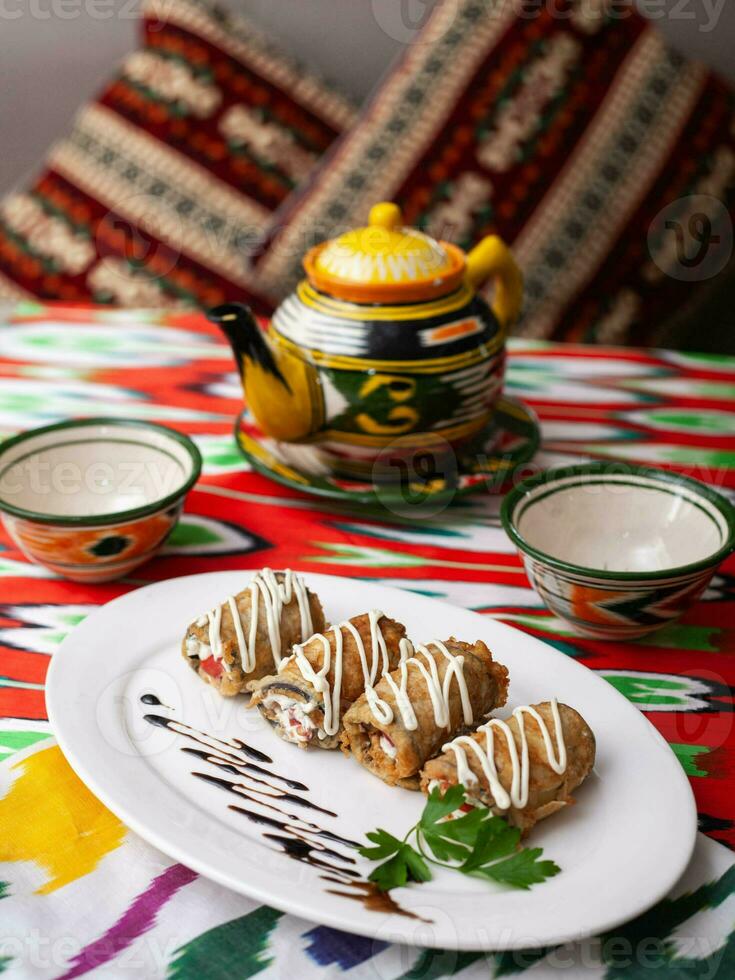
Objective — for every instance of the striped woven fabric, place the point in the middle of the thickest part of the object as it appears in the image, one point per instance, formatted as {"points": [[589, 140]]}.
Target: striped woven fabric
{"points": [[168, 180], [573, 132], [200, 173]]}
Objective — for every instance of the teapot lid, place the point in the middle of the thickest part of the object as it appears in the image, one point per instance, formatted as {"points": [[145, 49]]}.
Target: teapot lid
{"points": [[385, 262]]}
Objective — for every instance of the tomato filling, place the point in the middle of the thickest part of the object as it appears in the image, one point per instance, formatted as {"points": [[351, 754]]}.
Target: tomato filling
{"points": [[211, 666], [300, 724]]}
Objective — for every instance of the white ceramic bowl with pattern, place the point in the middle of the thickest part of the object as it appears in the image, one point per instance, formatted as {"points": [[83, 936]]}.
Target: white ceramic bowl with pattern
{"points": [[91, 499], [615, 549]]}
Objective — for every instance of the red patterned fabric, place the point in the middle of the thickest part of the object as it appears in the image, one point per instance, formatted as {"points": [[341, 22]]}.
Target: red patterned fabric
{"points": [[661, 408]]}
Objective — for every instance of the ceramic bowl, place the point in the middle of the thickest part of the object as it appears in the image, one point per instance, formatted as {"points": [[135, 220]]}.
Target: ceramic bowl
{"points": [[92, 499], [618, 550]]}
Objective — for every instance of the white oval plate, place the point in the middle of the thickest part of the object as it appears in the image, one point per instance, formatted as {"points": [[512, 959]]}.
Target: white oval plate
{"points": [[621, 847]]}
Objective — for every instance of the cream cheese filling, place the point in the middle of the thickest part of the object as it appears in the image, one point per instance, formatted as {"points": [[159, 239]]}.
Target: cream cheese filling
{"points": [[292, 717], [195, 648]]}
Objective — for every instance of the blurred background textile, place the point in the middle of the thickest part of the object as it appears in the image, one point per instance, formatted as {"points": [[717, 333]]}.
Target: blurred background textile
{"points": [[202, 171]]}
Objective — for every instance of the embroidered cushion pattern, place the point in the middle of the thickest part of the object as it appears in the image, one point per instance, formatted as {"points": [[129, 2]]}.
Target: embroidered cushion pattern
{"points": [[167, 180], [201, 173], [567, 133]]}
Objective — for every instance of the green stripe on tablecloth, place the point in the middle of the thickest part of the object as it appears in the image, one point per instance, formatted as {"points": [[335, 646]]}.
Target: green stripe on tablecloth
{"points": [[238, 948], [685, 636], [644, 948], [688, 755], [435, 963], [677, 636], [11, 742], [657, 452], [23, 685]]}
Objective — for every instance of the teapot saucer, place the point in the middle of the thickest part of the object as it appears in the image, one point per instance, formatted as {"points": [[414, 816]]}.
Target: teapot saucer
{"points": [[510, 439]]}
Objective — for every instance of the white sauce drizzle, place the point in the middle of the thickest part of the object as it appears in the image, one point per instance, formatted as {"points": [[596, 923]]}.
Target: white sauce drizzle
{"points": [[518, 796], [319, 679], [438, 690], [244, 652], [215, 625], [275, 596]]}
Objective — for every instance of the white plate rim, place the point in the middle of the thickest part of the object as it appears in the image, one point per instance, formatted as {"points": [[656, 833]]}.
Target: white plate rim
{"points": [[179, 851]]}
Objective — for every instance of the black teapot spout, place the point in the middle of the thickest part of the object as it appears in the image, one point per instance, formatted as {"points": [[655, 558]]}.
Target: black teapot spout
{"points": [[279, 386], [247, 340]]}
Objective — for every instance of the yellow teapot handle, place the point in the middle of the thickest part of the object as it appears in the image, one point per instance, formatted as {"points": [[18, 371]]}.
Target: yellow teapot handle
{"points": [[492, 258]]}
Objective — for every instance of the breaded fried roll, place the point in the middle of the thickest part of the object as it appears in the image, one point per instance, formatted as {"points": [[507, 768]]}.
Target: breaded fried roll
{"points": [[306, 699], [443, 688], [247, 636], [524, 768]]}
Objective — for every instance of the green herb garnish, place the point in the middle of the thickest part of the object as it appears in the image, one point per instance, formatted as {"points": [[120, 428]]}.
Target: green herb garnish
{"points": [[477, 843]]}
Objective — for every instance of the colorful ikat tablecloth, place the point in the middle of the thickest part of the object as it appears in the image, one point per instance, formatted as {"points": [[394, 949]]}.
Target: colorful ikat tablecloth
{"points": [[79, 893]]}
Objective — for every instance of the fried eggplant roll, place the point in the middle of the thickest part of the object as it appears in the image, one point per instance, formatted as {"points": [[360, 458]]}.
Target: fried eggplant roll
{"points": [[306, 699], [524, 768], [247, 636], [443, 688]]}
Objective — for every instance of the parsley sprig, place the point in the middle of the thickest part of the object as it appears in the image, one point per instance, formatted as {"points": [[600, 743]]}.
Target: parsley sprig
{"points": [[477, 843]]}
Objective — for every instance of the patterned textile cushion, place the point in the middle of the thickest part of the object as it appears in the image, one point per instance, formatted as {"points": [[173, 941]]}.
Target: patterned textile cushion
{"points": [[604, 158], [168, 179]]}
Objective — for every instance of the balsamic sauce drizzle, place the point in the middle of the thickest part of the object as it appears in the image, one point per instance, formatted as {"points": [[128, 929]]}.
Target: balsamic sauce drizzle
{"points": [[183, 729], [300, 839], [301, 850], [154, 700], [310, 828], [242, 768], [279, 794], [371, 897]]}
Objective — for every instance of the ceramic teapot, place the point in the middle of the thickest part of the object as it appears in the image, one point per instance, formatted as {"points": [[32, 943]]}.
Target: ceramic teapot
{"points": [[386, 343]]}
